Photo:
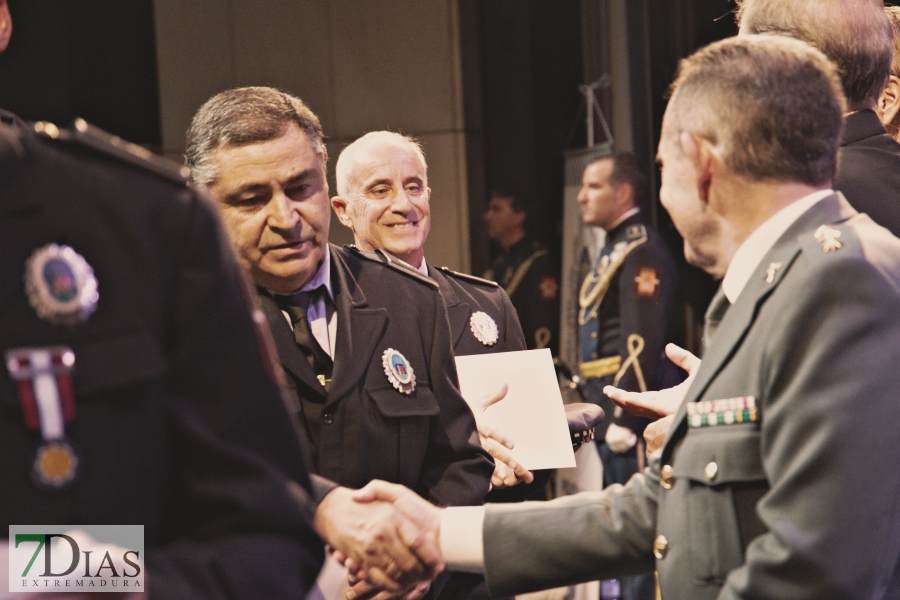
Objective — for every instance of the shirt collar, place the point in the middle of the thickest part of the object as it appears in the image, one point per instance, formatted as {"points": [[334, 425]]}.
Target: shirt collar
{"points": [[423, 268], [626, 215], [322, 276], [758, 243]]}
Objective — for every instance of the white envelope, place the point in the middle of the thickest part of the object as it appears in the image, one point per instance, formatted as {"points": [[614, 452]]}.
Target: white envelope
{"points": [[531, 414]]}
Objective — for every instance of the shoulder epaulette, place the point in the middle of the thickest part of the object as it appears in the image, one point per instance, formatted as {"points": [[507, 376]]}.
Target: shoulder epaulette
{"points": [[96, 139], [635, 232], [830, 240], [393, 263], [469, 278]]}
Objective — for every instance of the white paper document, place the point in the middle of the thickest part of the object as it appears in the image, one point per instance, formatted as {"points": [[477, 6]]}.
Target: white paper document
{"points": [[531, 414]]}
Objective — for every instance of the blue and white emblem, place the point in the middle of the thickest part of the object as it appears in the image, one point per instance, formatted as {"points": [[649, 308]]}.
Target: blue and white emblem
{"points": [[484, 328], [398, 370], [60, 285]]}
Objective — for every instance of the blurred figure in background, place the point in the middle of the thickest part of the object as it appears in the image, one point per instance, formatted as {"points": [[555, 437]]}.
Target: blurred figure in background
{"points": [[625, 303], [526, 271]]}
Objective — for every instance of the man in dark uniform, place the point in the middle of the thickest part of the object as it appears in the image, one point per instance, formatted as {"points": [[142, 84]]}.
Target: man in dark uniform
{"points": [[167, 414], [859, 40], [624, 305], [526, 271], [383, 196], [364, 344]]}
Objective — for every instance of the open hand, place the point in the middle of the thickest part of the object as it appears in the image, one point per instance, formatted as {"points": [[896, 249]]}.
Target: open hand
{"points": [[654, 405]]}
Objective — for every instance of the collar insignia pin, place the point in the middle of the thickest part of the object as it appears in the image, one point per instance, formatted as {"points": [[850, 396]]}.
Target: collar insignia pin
{"points": [[398, 370], [829, 237], [772, 270], [484, 328]]}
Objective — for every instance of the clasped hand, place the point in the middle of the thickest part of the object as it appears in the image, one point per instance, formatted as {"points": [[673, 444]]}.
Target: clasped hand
{"points": [[507, 471]]}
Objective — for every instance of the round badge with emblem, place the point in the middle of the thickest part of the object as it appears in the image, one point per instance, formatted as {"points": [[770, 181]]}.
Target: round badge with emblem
{"points": [[484, 328], [55, 465], [60, 284], [398, 370]]}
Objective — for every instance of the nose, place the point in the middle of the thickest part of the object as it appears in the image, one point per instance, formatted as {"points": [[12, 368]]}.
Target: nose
{"points": [[283, 214], [401, 203], [581, 198]]}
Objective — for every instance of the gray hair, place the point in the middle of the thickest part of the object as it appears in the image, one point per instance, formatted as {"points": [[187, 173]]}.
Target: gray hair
{"points": [[351, 158], [856, 34], [771, 106], [243, 116]]}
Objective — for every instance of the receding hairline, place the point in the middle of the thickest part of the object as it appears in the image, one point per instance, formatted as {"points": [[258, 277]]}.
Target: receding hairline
{"points": [[351, 159]]}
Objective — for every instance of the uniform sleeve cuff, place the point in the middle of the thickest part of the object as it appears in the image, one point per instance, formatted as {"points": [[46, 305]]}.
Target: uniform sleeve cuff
{"points": [[462, 538]]}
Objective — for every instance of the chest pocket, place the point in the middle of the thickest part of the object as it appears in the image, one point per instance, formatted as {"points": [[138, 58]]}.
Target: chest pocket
{"points": [[723, 469], [391, 403], [400, 433]]}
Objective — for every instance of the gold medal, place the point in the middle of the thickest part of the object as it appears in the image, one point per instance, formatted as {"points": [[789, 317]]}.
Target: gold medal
{"points": [[55, 465]]}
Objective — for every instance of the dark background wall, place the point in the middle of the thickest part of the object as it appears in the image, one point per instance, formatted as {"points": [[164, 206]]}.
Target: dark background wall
{"points": [[523, 101], [94, 59]]}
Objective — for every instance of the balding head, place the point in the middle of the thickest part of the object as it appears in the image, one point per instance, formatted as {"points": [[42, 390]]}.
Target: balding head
{"points": [[358, 155], [383, 194], [855, 34]]}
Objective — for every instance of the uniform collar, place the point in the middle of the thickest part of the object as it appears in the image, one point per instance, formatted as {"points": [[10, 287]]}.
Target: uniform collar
{"points": [[860, 125], [628, 214], [763, 238]]}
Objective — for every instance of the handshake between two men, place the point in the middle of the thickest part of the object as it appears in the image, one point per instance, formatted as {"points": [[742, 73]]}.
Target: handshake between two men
{"points": [[389, 536]]}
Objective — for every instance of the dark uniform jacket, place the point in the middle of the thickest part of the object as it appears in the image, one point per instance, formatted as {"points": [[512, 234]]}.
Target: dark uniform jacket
{"points": [[799, 498], [869, 169], [178, 419], [465, 295], [527, 273], [425, 440], [631, 319]]}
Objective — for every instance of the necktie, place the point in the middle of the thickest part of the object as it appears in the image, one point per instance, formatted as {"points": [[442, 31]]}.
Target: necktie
{"points": [[714, 315], [297, 307]]}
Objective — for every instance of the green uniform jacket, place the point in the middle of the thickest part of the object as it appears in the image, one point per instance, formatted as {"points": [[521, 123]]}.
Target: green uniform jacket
{"points": [[801, 503]]}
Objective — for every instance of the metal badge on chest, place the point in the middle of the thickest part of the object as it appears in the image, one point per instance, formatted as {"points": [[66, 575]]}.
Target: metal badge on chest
{"points": [[484, 328], [398, 370]]}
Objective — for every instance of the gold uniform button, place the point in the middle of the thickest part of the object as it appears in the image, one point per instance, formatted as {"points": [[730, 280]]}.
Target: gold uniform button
{"points": [[710, 471], [660, 547], [666, 477], [593, 335]]}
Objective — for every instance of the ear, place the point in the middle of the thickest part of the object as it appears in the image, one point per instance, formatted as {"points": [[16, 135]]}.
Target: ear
{"points": [[624, 193], [5, 25], [342, 210], [889, 102], [700, 154]]}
